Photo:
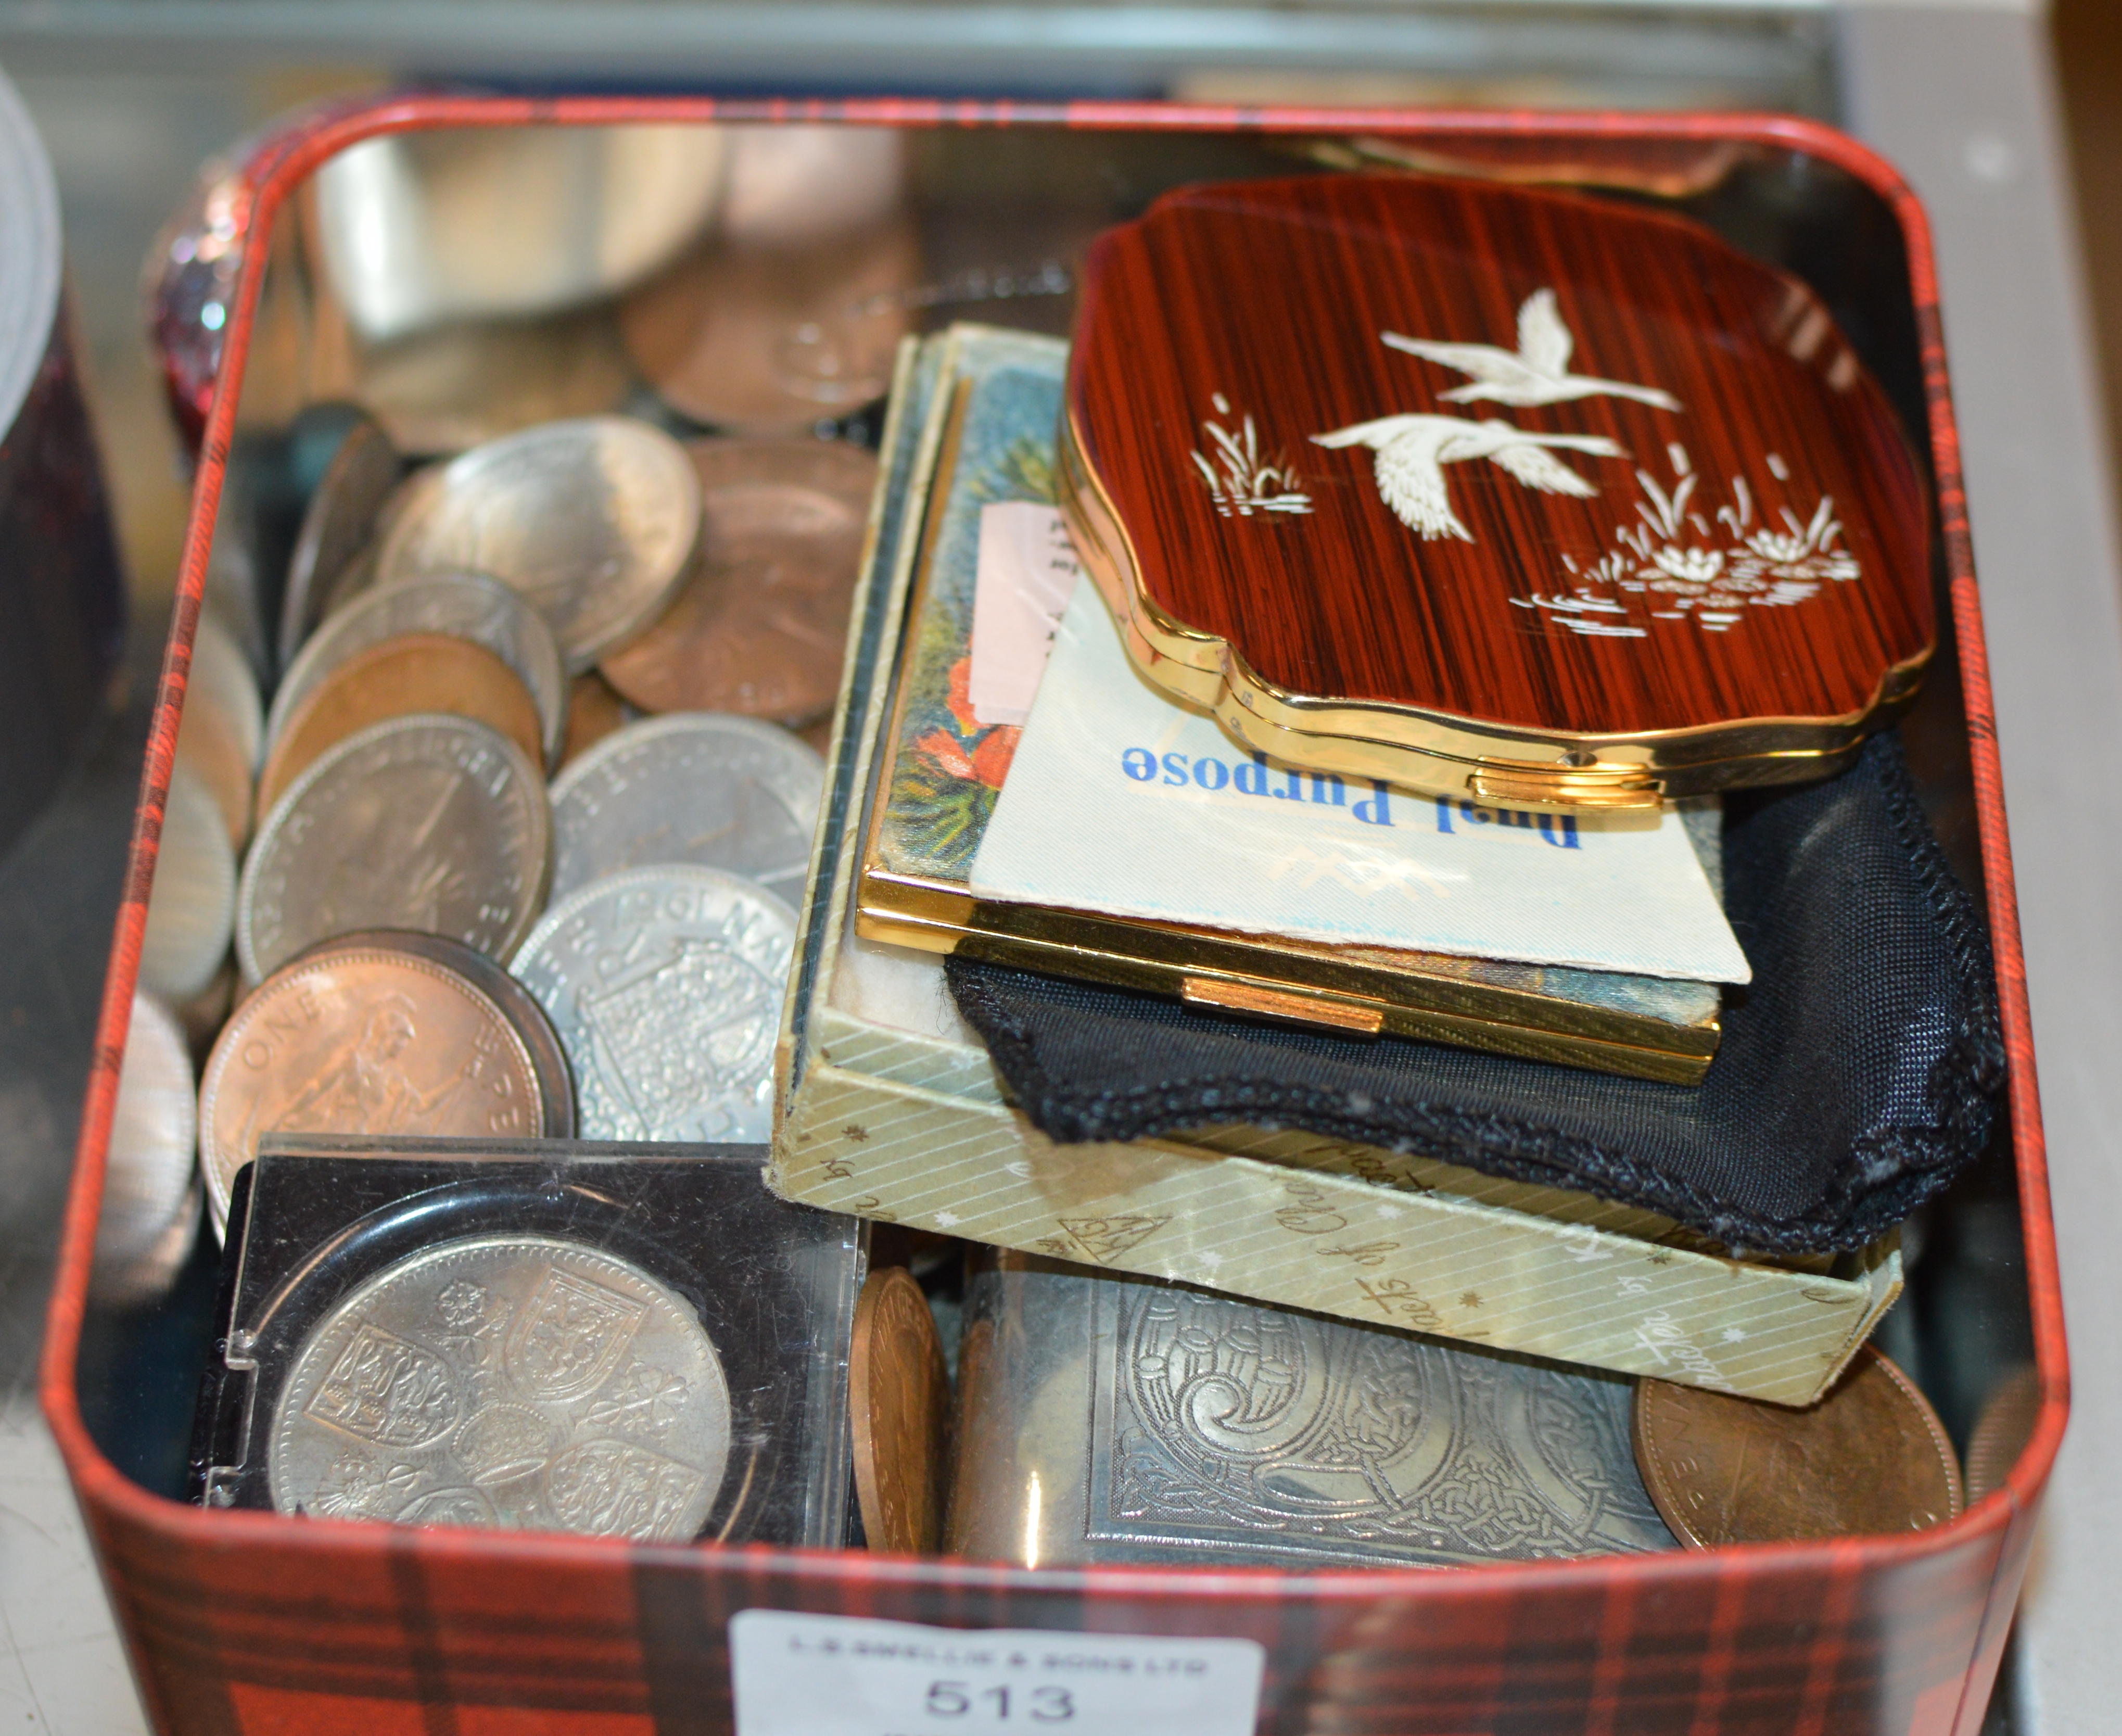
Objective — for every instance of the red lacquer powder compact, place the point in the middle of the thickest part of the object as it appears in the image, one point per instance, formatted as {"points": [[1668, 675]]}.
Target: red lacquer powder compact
{"points": [[1525, 495]]}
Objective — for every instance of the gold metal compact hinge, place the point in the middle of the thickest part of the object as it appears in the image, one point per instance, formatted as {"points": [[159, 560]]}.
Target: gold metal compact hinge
{"points": [[1257, 1002], [1607, 788]]}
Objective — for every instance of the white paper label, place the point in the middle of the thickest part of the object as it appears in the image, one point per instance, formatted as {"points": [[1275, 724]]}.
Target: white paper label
{"points": [[1026, 574], [802, 1675], [1121, 800]]}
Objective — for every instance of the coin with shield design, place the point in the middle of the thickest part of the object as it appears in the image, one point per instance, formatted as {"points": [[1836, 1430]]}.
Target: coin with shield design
{"points": [[666, 985], [507, 1382]]}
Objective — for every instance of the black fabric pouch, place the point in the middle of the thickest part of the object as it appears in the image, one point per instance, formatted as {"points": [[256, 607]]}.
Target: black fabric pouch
{"points": [[1859, 1072]]}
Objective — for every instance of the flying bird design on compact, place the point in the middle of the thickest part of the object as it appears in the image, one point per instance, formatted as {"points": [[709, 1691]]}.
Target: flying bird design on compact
{"points": [[1413, 449], [1536, 372], [1670, 538]]}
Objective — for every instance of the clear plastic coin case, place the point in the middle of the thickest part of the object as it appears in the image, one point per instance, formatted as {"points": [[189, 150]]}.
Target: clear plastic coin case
{"points": [[629, 1342]]}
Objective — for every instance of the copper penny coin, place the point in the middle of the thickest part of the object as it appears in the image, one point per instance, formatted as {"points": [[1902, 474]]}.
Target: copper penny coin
{"points": [[595, 710], [762, 622], [2003, 1429], [556, 1080], [1870, 1458], [412, 673], [362, 1040], [773, 339], [898, 1401]]}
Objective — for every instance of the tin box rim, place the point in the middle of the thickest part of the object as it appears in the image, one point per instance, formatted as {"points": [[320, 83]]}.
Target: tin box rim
{"points": [[258, 195]]}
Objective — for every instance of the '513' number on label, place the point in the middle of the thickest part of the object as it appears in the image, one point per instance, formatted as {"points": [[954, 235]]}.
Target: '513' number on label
{"points": [[962, 1700]]}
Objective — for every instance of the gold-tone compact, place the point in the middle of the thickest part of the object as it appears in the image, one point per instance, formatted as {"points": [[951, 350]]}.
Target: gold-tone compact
{"points": [[938, 771]]}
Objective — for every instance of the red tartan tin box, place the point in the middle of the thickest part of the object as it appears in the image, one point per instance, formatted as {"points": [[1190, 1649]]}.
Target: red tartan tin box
{"points": [[250, 1621]]}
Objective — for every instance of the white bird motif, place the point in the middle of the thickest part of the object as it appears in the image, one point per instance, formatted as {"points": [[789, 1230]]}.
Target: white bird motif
{"points": [[1412, 449], [1536, 372]]}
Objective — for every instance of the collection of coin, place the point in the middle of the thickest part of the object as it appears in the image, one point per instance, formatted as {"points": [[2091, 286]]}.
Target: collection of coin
{"points": [[430, 938]]}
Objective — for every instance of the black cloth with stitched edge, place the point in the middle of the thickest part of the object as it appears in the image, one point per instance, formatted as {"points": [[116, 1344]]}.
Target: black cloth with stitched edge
{"points": [[1859, 1072]]}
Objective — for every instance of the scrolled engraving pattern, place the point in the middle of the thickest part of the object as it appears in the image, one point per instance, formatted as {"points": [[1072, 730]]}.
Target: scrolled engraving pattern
{"points": [[1218, 1421]]}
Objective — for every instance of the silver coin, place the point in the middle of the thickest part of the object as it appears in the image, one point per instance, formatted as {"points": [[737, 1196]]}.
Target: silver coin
{"points": [[720, 792], [666, 985], [509, 1382], [549, 1061], [191, 907], [336, 526], [427, 822], [153, 1274], [154, 1130], [592, 520], [221, 677], [466, 605]]}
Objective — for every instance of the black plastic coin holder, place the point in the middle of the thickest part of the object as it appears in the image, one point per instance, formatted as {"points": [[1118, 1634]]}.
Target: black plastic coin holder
{"points": [[774, 1285]]}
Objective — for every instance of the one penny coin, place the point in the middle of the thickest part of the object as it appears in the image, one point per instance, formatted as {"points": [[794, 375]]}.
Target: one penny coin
{"points": [[761, 624], [549, 1059], [415, 671], [362, 1040], [771, 340], [1869, 1458], [900, 1400]]}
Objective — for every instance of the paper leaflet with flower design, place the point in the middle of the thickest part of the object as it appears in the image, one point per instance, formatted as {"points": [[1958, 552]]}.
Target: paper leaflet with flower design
{"points": [[946, 766]]}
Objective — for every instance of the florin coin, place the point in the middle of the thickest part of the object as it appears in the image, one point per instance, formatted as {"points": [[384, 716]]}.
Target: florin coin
{"points": [[720, 792], [594, 711], [1870, 1458], [424, 822], [413, 672], [556, 1084], [666, 985], [593, 521], [761, 625], [147, 1174], [466, 605], [770, 340], [336, 526], [520, 1383], [362, 1040], [899, 1399], [2002, 1431], [191, 907]]}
